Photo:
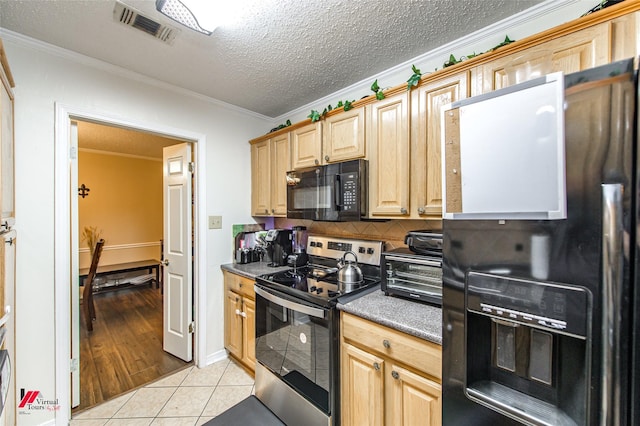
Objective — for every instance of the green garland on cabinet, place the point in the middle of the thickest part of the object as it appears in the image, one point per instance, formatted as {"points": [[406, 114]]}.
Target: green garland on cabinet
{"points": [[411, 82]]}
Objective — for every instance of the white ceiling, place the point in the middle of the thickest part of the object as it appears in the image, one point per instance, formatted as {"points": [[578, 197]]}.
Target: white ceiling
{"points": [[283, 54]]}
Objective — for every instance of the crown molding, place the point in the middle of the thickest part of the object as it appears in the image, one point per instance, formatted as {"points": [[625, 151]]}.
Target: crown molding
{"points": [[41, 46]]}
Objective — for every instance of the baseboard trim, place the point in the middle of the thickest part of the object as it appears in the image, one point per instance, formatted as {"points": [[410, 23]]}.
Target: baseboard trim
{"points": [[215, 357]]}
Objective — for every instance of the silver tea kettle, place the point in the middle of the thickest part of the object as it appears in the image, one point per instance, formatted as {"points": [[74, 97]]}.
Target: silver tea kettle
{"points": [[349, 274]]}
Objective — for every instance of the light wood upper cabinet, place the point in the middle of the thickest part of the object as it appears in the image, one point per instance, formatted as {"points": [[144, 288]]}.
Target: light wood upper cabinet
{"points": [[581, 50], [388, 377], [270, 161], [624, 37], [306, 146], [343, 136], [338, 137], [7, 187], [261, 178], [426, 158], [280, 165], [388, 145]]}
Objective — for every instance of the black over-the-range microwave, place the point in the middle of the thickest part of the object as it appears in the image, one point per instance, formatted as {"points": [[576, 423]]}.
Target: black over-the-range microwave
{"points": [[334, 192]]}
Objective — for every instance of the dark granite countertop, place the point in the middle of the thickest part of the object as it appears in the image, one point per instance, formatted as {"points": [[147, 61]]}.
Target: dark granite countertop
{"points": [[414, 318], [251, 270]]}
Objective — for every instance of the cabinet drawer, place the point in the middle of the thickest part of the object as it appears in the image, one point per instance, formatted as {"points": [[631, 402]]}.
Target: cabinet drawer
{"points": [[409, 350], [239, 284]]}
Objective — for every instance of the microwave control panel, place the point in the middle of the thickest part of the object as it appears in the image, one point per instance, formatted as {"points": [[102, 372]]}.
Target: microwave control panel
{"points": [[349, 190]]}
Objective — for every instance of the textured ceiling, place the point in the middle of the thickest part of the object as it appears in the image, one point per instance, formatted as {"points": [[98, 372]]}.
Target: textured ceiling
{"points": [[122, 141], [283, 54]]}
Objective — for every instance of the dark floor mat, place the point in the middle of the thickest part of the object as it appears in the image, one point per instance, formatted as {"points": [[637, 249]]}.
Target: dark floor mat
{"points": [[248, 412]]}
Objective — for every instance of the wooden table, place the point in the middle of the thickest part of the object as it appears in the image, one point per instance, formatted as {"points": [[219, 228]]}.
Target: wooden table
{"points": [[150, 265]]}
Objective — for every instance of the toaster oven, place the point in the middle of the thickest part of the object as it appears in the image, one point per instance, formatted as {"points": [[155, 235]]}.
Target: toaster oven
{"points": [[413, 276]]}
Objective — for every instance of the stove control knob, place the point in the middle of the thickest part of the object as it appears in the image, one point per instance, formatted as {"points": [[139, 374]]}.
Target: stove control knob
{"points": [[369, 250], [313, 288], [319, 290], [361, 250], [319, 244]]}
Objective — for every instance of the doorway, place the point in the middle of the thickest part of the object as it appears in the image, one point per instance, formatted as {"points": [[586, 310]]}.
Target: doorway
{"points": [[120, 199], [65, 166]]}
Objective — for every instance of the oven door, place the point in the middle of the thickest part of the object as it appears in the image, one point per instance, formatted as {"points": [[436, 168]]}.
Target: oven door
{"points": [[293, 342]]}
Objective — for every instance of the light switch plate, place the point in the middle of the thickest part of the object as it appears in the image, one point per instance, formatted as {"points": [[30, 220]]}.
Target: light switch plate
{"points": [[215, 222]]}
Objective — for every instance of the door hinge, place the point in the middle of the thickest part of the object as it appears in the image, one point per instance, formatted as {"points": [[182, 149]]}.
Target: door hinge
{"points": [[192, 327], [73, 365], [73, 153], [192, 167]]}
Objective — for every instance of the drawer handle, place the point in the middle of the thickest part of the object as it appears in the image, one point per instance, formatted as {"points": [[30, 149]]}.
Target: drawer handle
{"points": [[376, 366], [238, 312], [243, 314], [386, 344], [395, 375]]}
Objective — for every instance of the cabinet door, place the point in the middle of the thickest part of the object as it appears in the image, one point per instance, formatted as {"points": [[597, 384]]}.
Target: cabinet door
{"points": [[388, 143], [414, 399], [343, 136], [426, 158], [574, 52], [6, 147], [249, 332], [261, 178], [306, 146], [233, 323], [362, 387], [280, 165]]}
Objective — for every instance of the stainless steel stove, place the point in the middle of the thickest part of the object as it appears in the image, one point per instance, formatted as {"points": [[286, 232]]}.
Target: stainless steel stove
{"points": [[297, 330]]}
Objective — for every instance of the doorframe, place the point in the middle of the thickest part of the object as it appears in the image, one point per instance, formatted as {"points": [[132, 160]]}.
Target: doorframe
{"points": [[65, 160]]}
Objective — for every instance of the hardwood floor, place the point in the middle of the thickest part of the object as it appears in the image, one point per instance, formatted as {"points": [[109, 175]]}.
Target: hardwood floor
{"points": [[124, 350]]}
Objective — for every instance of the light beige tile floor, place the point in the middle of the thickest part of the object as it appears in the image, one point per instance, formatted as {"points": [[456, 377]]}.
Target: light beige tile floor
{"points": [[189, 397]]}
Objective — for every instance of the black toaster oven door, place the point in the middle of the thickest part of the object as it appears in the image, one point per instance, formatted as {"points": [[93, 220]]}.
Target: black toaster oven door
{"points": [[414, 277]]}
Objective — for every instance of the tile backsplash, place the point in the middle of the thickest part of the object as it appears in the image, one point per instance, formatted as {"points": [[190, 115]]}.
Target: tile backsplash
{"points": [[392, 232]]}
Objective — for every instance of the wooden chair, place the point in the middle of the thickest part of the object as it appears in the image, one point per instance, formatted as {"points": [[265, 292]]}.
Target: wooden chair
{"points": [[87, 294]]}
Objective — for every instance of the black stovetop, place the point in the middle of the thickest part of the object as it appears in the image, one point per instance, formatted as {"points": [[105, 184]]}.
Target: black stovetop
{"points": [[312, 283]]}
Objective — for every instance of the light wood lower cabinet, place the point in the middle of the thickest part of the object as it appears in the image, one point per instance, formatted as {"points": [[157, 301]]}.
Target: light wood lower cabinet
{"points": [[239, 319], [388, 377]]}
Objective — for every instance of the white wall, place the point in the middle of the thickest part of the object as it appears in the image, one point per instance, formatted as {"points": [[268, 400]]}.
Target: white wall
{"points": [[45, 76]]}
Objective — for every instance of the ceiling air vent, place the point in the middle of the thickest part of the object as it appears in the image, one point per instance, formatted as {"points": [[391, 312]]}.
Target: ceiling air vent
{"points": [[133, 18]]}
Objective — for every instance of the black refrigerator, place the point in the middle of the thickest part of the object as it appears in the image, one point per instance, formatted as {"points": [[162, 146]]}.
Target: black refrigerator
{"points": [[541, 293]]}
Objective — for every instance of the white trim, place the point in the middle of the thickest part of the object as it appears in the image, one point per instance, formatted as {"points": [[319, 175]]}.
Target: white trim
{"points": [[124, 246], [439, 55], [216, 356], [119, 154], [79, 58], [62, 277]]}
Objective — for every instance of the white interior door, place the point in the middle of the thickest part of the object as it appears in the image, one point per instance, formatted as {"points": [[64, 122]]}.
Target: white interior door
{"points": [[75, 287], [177, 275]]}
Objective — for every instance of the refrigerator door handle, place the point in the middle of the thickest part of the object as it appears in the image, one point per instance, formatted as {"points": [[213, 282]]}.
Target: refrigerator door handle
{"points": [[612, 280]]}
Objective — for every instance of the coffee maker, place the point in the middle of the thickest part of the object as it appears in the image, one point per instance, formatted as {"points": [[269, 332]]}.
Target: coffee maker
{"points": [[299, 256], [278, 246]]}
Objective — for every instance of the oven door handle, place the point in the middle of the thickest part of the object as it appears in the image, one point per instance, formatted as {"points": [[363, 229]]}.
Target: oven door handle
{"points": [[289, 304]]}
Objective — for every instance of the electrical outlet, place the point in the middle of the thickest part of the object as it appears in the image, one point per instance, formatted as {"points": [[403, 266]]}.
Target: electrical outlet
{"points": [[215, 222]]}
